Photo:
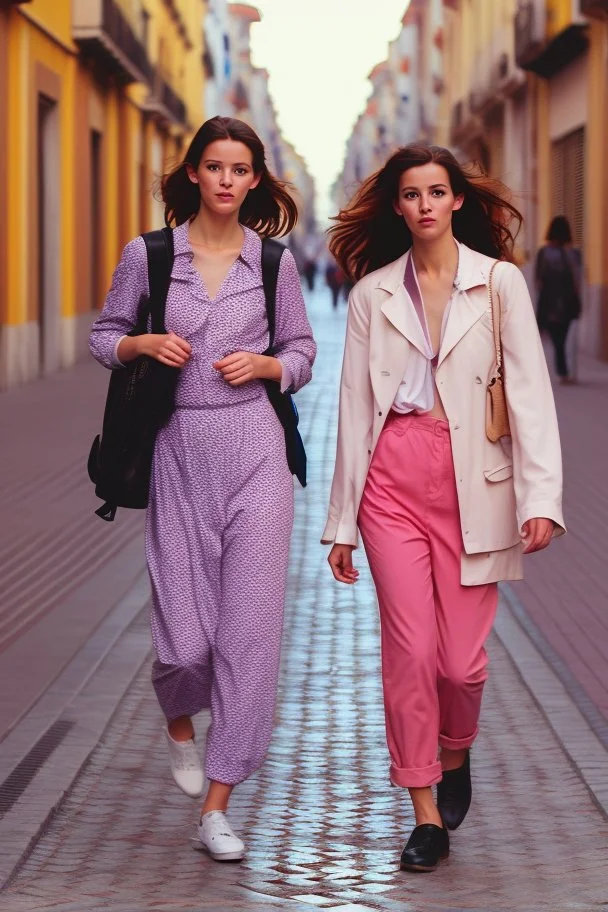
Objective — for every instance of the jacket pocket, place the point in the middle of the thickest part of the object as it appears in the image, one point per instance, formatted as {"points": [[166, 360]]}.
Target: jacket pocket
{"points": [[500, 473]]}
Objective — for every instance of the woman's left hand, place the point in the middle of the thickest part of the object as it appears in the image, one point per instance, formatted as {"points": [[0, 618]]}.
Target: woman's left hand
{"points": [[242, 366], [537, 533]]}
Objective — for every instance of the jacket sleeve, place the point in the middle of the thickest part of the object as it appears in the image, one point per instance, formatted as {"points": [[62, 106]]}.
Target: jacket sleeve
{"points": [[537, 463], [294, 345], [121, 308], [355, 419]]}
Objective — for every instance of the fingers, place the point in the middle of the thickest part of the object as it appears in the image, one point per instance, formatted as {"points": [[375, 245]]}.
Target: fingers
{"points": [[537, 534], [230, 361], [340, 561], [181, 343], [173, 353], [237, 368]]}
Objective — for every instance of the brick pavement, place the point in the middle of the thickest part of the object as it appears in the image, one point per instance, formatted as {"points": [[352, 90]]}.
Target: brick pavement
{"points": [[565, 593], [323, 826], [61, 568]]}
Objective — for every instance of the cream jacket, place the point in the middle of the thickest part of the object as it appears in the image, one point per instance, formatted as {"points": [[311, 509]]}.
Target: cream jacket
{"points": [[500, 485]]}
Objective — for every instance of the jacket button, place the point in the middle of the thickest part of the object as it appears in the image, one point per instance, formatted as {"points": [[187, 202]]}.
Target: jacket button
{"points": [[477, 379], [380, 413]]}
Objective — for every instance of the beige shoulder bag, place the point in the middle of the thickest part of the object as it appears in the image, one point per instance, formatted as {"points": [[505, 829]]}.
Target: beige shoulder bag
{"points": [[497, 417]]}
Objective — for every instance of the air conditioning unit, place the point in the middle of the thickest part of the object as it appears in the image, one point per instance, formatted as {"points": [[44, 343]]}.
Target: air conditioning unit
{"points": [[506, 76]]}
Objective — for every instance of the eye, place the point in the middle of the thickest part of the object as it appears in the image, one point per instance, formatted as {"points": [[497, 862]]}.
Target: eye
{"points": [[212, 167], [438, 192], [410, 194], [241, 171]]}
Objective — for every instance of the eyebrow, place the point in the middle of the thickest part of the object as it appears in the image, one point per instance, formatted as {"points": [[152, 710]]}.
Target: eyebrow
{"points": [[432, 187], [216, 161]]}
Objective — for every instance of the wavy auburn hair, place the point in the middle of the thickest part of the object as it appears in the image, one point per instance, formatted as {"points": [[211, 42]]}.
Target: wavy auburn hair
{"points": [[369, 234], [268, 208]]}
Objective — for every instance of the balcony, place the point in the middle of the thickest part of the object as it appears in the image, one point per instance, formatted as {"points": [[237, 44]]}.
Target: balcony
{"points": [[465, 124], [103, 33], [597, 9], [534, 52], [164, 104]]}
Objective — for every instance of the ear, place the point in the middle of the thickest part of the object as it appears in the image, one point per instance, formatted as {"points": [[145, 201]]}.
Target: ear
{"points": [[397, 209], [191, 173], [458, 201], [256, 181]]}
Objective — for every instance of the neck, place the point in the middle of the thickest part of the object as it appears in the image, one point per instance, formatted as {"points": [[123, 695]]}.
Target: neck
{"points": [[436, 258], [215, 231]]}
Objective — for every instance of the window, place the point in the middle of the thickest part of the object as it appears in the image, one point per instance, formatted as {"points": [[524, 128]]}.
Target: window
{"points": [[568, 181]]}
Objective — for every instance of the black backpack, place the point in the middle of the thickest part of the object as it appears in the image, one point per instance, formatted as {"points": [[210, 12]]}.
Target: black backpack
{"points": [[141, 396]]}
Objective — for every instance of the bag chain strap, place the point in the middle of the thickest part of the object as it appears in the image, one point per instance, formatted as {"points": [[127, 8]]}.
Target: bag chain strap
{"points": [[496, 318]]}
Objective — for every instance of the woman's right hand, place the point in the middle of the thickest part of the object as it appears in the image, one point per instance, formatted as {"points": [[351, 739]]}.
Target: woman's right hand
{"points": [[341, 562], [168, 348]]}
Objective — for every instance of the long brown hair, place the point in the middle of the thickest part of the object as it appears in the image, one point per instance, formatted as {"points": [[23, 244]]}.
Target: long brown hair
{"points": [[368, 232], [268, 209]]}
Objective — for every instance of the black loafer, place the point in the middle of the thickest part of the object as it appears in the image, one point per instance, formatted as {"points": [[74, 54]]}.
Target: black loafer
{"points": [[425, 848], [454, 794]]}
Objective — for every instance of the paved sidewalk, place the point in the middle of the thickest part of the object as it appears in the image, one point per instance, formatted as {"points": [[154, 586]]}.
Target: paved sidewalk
{"points": [[323, 826], [62, 569], [565, 593]]}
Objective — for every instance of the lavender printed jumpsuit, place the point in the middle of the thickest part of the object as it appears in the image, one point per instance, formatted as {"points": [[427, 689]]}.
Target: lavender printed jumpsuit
{"points": [[220, 514]]}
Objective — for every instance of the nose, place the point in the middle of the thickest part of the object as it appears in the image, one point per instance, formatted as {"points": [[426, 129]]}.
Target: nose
{"points": [[226, 178], [425, 205]]}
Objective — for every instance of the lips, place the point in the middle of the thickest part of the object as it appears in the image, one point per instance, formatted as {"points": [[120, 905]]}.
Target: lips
{"points": [[427, 221], [225, 196]]}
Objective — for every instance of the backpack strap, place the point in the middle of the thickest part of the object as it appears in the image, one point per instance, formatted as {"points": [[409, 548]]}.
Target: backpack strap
{"points": [[272, 251], [159, 250]]}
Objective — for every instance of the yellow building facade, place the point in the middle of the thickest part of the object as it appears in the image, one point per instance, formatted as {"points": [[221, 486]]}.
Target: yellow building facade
{"points": [[525, 92], [97, 98]]}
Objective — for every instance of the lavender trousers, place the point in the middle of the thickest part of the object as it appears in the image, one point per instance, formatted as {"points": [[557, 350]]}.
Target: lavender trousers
{"points": [[433, 628], [217, 540]]}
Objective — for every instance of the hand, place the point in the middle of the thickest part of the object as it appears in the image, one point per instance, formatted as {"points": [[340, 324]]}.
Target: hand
{"points": [[241, 367], [168, 348], [537, 534], [341, 562]]}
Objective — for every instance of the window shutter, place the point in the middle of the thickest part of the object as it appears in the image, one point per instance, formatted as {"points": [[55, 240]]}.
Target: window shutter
{"points": [[568, 181]]}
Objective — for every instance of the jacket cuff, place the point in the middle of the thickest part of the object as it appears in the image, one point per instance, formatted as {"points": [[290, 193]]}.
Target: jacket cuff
{"points": [[544, 510], [286, 377], [340, 533], [116, 362]]}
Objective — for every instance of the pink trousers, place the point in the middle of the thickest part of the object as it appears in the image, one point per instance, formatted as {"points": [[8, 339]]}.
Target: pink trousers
{"points": [[433, 628]]}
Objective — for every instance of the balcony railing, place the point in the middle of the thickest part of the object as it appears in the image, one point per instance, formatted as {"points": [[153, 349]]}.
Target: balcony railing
{"points": [[595, 8], [535, 52], [102, 31], [164, 104]]}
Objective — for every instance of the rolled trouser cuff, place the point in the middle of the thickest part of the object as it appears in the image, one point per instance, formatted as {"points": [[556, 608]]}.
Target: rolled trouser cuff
{"points": [[458, 743], [421, 777]]}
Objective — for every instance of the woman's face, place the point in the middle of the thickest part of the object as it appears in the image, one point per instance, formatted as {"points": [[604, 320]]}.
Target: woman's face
{"points": [[224, 176], [426, 201]]}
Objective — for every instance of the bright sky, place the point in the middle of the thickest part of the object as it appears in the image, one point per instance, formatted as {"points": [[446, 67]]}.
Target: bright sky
{"points": [[318, 54]]}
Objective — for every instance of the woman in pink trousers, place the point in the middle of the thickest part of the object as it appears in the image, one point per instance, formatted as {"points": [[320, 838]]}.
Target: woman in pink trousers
{"points": [[444, 512]]}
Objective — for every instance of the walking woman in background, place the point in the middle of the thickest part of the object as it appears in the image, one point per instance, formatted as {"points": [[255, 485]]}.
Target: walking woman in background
{"points": [[558, 280], [444, 512], [221, 501]]}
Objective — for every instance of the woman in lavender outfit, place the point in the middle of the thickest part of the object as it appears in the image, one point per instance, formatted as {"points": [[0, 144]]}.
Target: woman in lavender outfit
{"points": [[220, 513]]}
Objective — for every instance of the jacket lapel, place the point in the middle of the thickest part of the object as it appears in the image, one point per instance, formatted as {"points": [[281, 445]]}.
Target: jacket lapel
{"points": [[398, 307], [466, 309]]}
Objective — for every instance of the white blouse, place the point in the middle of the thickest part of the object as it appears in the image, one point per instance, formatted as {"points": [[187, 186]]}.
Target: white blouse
{"points": [[416, 391]]}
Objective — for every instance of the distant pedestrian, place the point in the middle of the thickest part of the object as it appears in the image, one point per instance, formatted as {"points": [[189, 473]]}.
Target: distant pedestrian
{"points": [[558, 278], [445, 501], [221, 501], [335, 280], [309, 272]]}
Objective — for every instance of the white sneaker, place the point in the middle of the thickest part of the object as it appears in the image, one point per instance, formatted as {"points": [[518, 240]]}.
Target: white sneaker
{"points": [[216, 836], [186, 766]]}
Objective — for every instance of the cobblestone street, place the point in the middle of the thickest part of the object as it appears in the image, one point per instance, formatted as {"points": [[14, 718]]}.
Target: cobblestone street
{"points": [[324, 828]]}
